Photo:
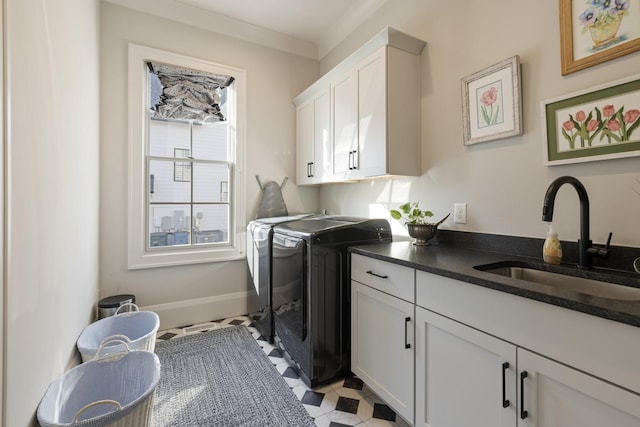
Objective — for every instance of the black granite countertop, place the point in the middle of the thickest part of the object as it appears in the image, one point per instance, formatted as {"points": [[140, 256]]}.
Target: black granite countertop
{"points": [[458, 263]]}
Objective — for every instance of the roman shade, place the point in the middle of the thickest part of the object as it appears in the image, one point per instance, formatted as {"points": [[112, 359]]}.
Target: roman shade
{"points": [[186, 94]]}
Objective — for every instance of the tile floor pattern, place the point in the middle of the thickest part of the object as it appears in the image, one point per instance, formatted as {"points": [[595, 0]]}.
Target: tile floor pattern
{"points": [[346, 402]]}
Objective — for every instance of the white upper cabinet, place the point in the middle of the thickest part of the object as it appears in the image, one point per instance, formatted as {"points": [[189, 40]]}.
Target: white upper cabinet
{"points": [[313, 147], [344, 114], [376, 116], [373, 93], [374, 112], [304, 143]]}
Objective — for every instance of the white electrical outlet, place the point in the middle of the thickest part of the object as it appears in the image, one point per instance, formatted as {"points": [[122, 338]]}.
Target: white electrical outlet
{"points": [[460, 213]]}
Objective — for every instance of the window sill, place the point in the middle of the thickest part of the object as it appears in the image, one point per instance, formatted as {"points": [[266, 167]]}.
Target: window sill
{"points": [[175, 258]]}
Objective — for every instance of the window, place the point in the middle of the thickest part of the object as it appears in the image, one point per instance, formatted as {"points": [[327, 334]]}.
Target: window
{"points": [[186, 203], [181, 170]]}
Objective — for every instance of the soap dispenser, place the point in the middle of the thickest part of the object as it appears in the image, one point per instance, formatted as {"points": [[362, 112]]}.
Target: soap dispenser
{"points": [[552, 250]]}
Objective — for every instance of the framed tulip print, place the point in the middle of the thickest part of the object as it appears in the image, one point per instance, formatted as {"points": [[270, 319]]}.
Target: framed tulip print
{"points": [[595, 31], [598, 124], [491, 104]]}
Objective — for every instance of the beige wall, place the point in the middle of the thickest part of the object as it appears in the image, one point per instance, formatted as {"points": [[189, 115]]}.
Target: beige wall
{"points": [[51, 241], [273, 79], [503, 182]]}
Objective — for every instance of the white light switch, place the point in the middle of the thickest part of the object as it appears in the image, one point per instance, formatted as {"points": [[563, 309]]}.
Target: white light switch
{"points": [[460, 213]]}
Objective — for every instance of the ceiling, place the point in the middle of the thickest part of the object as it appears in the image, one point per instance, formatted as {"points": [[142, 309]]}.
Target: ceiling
{"points": [[306, 27]]}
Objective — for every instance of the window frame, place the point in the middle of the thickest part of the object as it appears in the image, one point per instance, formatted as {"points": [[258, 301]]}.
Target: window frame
{"points": [[138, 254]]}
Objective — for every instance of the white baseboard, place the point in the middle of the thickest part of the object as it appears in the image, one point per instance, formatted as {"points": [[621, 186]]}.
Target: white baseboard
{"points": [[200, 310]]}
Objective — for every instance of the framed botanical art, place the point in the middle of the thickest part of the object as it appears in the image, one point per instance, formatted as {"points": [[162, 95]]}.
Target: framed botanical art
{"points": [[595, 31], [597, 124], [492, 108]]}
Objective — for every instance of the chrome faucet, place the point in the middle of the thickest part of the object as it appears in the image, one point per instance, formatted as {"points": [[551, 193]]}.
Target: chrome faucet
{"points": [[585, 250]]}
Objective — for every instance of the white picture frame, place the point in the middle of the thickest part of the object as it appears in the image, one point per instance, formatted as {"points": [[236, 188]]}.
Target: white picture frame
{"points": [[491, 102], [599, 123]]}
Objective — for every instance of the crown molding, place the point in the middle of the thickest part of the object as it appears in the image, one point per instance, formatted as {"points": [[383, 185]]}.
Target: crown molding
{"points": [[200, 18]]}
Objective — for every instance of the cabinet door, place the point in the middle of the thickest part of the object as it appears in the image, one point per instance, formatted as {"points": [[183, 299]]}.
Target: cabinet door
{"points": [[464, 377], [382, 346], [372, 115], [322, 161], [313, 139], [557, 395], [304, 143], [345, 124]]}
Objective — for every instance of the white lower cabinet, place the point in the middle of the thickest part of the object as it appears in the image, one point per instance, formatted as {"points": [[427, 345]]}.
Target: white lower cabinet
{"points": [[485, 358], [382, 346], [464, 377], [552, 394]]}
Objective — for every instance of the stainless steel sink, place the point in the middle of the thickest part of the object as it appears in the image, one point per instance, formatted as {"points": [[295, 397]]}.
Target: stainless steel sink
{"points": [[531, 272]]}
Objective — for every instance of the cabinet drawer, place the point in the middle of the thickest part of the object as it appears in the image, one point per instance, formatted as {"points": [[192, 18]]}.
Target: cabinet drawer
{"points": [[387, 277]]}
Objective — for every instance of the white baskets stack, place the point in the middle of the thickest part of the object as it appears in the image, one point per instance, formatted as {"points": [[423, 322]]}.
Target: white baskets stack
{"points": [[139, 327], [113, 390]]}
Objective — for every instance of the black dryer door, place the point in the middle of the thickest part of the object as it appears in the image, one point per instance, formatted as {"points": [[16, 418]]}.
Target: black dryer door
{"points": [[289, 283]]}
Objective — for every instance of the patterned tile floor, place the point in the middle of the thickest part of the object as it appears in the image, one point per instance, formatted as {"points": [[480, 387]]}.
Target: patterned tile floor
{"points": [[346, 402]]}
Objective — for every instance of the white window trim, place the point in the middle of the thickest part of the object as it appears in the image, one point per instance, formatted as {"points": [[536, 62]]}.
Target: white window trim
{"points": [[138, 255]]}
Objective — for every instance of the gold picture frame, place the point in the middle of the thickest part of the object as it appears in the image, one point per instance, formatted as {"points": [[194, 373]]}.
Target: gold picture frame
{"points": [[591, 35]]}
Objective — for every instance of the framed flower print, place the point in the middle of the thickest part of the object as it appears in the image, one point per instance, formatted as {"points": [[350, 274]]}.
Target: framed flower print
{"points": [[491, 103], [597, 124], [595, 31]]}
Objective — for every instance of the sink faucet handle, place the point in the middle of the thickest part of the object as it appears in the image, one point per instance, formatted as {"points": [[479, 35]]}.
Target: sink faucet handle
{"points": [[601, 252]]}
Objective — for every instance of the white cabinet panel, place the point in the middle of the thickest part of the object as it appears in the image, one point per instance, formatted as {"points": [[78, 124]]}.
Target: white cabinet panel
{"points": [[344, 93], [557, 395], [313, 148], [304, 143], [382, 346], [372, 115], [322, 158], [463, 377], [387, 277]]}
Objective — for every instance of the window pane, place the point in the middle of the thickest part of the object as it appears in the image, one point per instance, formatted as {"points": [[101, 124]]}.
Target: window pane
{"points": [[163, 187], [210, 141], [169, 225], [181, 170], [164, 137], [211, 223], [210, 183]]}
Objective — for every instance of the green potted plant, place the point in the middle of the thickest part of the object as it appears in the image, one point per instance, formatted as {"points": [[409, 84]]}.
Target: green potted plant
{"points": [[417, 222]]}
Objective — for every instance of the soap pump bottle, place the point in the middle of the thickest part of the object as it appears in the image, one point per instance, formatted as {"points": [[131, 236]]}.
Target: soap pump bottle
{"points": [[552, 250]]}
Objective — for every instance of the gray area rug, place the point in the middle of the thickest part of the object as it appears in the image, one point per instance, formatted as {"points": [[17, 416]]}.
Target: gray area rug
{"points": [[222, 378]]}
